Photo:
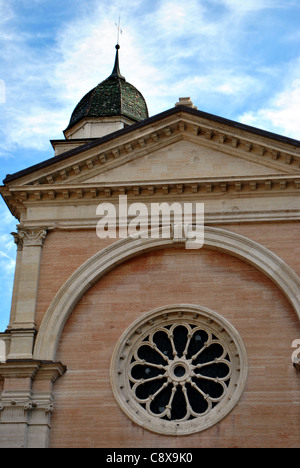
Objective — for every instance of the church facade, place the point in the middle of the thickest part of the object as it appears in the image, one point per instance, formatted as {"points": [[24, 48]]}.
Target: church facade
{"points": [[123, 333]]}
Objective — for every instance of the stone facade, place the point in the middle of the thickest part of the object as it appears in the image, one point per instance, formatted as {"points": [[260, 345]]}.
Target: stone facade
{"points": [[75, 294]]}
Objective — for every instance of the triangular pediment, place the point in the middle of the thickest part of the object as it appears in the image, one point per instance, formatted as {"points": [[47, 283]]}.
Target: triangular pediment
{"points": [[181, 160], [176, 145], [178, 152]]}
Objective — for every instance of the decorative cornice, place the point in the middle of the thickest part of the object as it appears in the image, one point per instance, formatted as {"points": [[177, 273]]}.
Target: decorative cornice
{"points": [[233, 144], [211, 186], [227, 136], [32, 368], [25, 406], [64, 177], [204, 190], [19, 368], [50, 371]]}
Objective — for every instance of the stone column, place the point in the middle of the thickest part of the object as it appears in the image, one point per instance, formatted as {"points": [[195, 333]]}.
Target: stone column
{"points": [[19, 244], [22, 325], [43, 406]]}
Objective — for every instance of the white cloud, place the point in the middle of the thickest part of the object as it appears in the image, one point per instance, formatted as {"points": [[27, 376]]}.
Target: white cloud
{"points": [[253, 5], [171, 49], [6, 12], [281, 115], [175, 18], [7, 263], [34, 128]]}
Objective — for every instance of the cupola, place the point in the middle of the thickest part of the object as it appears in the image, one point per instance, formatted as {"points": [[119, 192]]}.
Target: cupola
{"points": [[110, 106]]}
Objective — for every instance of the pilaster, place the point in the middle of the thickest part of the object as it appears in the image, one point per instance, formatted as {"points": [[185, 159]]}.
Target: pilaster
{"points": [[26, 403], [16, 279], [22, 325], [15, 402]]}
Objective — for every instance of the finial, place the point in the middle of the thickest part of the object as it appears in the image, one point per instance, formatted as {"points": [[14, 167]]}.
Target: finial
{"points": [[119, 31], [116, 71]]}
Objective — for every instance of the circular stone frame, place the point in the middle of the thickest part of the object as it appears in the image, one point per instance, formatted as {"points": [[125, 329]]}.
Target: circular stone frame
{"points": [[178, 370]]}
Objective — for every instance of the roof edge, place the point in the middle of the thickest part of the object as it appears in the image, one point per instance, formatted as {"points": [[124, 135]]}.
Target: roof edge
{"points": [[174, 110]]}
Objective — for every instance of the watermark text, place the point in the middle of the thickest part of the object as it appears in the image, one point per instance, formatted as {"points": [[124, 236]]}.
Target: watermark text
{"points": [[296, 353], [181, 222]]}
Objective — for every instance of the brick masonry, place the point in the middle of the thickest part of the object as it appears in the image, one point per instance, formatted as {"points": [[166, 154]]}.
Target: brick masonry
{"points": [[86, 414]]}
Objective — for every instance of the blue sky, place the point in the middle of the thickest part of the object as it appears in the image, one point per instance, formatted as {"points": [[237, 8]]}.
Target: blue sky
{"points": [[238, 59]]}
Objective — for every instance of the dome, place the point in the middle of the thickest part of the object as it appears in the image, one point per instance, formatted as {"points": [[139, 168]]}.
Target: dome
{"points": [[112, 97]]}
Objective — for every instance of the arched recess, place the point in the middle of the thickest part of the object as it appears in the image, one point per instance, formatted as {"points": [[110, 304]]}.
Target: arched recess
{"points": [[107, 259]]}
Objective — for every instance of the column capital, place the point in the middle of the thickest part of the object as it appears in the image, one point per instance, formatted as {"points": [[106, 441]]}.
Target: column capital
{"points": [[31, 237]]}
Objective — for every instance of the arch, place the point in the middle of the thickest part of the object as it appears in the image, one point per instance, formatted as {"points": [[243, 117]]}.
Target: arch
{"points": [[107, 259]]}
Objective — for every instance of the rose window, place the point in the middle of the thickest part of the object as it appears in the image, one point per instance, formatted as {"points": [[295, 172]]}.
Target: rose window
{"points": [[179, 370]]}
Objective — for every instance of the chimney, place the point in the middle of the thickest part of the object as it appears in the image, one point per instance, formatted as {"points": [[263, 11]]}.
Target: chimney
{"points": [[185, 101]]}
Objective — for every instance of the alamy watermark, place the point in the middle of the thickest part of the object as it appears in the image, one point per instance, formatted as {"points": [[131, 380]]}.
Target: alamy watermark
{"points": [[296, 353], [2, 92], [181, 222]]}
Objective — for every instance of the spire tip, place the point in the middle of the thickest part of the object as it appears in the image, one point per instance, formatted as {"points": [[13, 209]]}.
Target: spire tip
{"points": [[116, 71]]}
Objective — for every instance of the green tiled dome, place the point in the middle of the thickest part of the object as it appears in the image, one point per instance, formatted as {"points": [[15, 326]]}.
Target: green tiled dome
{"points": [[113, 97]]}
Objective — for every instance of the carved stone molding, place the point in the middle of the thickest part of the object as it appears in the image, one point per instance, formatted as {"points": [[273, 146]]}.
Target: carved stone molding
{"points": [[179, 369], [29, 414], [19, 369], [29, 368], [30, 237], [246, 185], [50, 371], [198, 130], [25, 414]]}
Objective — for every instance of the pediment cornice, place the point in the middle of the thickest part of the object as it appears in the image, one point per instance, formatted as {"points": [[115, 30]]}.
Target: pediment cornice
{"points": [[180, 190], [66, 177], [108, 153]]}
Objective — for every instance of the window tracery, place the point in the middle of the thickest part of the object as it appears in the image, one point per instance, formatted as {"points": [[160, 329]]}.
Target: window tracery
{"points": [[179, 370]]}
